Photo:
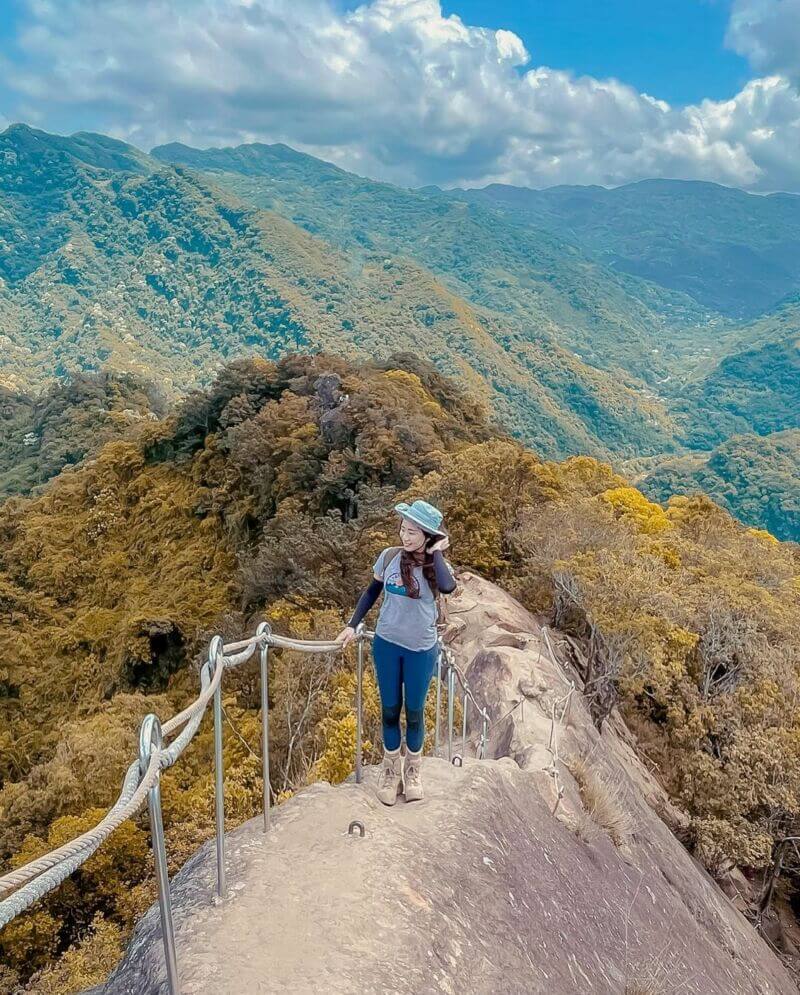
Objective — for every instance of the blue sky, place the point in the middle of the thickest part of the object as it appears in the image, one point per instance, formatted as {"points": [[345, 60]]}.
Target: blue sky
{"points": [[8, 21], [452, 92], [673, 49]]}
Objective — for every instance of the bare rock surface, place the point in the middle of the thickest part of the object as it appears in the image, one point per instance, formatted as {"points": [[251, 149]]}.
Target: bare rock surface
{"points": [[491, 884]]}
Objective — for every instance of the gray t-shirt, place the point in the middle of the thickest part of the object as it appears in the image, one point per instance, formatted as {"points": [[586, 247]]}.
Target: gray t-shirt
{"points": [[409, 622]]}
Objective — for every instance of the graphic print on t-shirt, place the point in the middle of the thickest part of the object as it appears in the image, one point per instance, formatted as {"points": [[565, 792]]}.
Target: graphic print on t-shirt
{"points": [[394, 583]]}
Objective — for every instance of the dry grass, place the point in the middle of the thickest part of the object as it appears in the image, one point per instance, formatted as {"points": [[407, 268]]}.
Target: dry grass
{"points": [[655, 979], [644, 986], [586, 828], [602, 802]]}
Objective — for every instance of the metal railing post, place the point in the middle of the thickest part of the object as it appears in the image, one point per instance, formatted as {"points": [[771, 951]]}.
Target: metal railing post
{"points": [[150, 739], [438, 697], [451, 694], [215, 659], [464, 706], [359, 694], [265, 629], [45, 873]]}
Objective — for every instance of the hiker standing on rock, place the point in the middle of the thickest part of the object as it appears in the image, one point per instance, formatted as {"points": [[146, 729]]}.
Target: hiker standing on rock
{"points": [[405, 646]]}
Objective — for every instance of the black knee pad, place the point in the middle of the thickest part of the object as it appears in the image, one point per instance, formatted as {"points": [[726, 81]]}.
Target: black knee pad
{"points": [[415, 718], [390, 716]]}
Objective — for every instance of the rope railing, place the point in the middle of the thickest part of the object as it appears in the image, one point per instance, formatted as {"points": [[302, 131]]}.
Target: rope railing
{"points": [[772, 875], [23, 886], [132, 797], [553, 768], [467, 697], [487, 725]]}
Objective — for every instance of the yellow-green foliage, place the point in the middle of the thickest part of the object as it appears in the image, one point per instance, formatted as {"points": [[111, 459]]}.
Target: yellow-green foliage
{"points": [[337, 730], [763, 534], [703, 638], [120, 861], [114, 553], [755, 477], [251, 502], [85, 964], [720, 842], [99, 884], [30, 940], [699, 615], [648, 517], [85, 770], [485, 490]]}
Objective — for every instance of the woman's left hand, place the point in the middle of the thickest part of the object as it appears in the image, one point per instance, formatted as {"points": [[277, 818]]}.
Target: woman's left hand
{"points": [[442, 544]]}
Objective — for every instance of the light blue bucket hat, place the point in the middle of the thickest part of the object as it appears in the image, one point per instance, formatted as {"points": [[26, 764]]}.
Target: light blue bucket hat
{"points": [[423, 514]]}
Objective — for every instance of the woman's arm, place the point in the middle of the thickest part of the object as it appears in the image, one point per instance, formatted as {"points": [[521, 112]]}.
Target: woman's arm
{"points": [[365, 602], [445, 580]]}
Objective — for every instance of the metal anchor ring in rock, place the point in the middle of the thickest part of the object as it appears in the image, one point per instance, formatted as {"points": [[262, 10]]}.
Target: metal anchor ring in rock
{"points": [[479, 888]]}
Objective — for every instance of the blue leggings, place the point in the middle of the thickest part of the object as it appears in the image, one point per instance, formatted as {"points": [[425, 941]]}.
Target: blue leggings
{"points": [[396, 668]]}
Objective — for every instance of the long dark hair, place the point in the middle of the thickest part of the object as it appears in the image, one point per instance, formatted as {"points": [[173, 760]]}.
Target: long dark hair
{"points": [[421, 558]]}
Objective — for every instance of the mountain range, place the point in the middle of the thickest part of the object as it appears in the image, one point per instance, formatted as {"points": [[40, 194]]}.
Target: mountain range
{"points": [[649, 322], [730, 251]]}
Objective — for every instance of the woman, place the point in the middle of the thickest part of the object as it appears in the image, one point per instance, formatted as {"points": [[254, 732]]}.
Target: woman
{"points": [[405, 646]]}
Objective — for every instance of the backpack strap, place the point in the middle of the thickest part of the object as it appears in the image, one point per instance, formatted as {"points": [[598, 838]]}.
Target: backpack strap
{"points": [[388, 556]]}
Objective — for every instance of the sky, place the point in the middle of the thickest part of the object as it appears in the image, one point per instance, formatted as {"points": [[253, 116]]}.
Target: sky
{"points": [[673, 49], [459, 93]]}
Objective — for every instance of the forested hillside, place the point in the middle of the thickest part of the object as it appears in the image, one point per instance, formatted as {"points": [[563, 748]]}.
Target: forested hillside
{"points": [[524, 253], [268, 494], [733, 252], [116, 262], [542, 281], [756, 478], [754, 389], [111, 261], [40, 436]]}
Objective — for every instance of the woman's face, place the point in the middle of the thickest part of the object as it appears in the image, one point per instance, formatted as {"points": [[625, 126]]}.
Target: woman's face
{"points": [[411, 536]]}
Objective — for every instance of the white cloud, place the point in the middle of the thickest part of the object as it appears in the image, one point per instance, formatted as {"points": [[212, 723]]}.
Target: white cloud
{"points": [[510, 47], [767, 32], [394, 90]]}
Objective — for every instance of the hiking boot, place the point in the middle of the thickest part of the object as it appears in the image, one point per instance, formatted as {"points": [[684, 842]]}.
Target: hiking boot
{"points": [[390, 777], [412, 776]]}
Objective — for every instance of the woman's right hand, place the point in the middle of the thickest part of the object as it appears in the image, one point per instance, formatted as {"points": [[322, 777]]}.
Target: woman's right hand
{"points": [[346, 635]]}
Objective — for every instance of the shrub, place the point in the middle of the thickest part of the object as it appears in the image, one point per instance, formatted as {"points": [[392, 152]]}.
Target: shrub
{"points": [[603, 802], [85, 964]]}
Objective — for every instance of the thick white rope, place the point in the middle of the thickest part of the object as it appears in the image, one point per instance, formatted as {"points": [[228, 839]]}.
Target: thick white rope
{"points": [[554, 659], [304, 645], [32, 881], [130, 800], [47, 872], [39, 876]]}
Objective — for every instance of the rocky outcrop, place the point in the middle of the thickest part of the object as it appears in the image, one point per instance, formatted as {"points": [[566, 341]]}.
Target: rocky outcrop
{"points": [[513, 875]]}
